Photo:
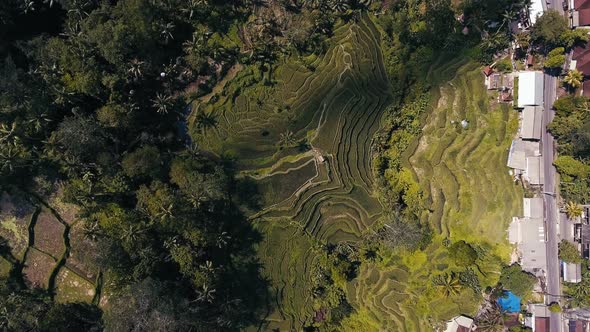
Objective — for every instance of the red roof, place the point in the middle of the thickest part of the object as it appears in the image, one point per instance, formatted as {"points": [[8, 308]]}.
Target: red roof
{"points": [[586, 88], [541, 324], [581, 4], [488, 71], [584, 16], [578, 50], [583, 62]]}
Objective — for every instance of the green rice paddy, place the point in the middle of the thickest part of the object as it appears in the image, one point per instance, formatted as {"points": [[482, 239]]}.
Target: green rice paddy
{"points": [[319, 189]]}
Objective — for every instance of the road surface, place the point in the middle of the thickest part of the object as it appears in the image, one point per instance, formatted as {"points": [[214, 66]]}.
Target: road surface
{"points": [[551, 212]]}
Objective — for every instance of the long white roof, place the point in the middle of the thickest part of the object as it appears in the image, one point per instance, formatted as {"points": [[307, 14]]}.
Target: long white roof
{"points": [[536, 10], [530, 88]]}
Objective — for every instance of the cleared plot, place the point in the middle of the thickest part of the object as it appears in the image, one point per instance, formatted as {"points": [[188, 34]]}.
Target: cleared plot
{"points": [[67, 211], [15, 216], [71, 287], [5, 267], [37, 268], [81, 247], [49, 234]]}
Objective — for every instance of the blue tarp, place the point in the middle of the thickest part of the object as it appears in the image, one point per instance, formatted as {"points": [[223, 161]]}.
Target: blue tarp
{"points": [[510, 302]]}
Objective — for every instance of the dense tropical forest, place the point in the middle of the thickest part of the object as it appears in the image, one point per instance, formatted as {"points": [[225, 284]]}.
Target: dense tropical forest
{"points": [[178, 165]]}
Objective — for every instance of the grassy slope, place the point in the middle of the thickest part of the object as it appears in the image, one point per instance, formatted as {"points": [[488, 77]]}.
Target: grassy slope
{"points": [[470, 195], [337, 106]]}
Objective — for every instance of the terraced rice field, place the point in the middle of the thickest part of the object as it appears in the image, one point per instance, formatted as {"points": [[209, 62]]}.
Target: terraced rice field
{"points": [[469, 195], [315, 195], [462, 170], [319, 188]]}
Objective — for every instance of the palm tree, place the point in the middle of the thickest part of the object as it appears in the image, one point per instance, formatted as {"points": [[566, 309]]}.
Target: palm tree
{"points": [[573, 210], [162, 103], [132, 233], [491, 320], [194, 5], [206, 294], [206, 120], [573, 79], [448, 284], [287, 139], [136, 67], [28, 6], [166, 31]]}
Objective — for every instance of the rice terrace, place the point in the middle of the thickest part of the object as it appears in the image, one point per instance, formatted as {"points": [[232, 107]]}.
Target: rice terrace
{"points": [[293, 165], [306, 143]]}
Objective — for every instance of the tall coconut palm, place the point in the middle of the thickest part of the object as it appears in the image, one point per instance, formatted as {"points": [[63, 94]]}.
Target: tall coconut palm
{"points": [[573, 79], [448, 284], [162, 103], [136, 68], [192, 6], [573, 210], [206, 120], [166, 31], [287, 139]]}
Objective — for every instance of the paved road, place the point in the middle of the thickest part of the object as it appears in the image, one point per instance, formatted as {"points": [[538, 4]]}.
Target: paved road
{"points": [[551, 212]]}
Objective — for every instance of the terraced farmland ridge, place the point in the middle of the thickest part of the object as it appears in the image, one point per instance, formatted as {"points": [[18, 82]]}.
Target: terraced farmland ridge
{"points": [[469, 196], [319, 193]]}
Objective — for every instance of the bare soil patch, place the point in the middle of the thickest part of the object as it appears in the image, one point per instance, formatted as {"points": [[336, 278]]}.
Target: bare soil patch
{"points": [[38, 267], [15, 215], [49, 234]]}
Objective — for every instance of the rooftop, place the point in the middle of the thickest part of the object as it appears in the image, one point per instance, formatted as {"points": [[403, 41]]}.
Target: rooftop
{"points": [[520, 150], [532, 117], [460, 324], [529, 235], [534, 170], [530, 88], [572, 272], [533, 207]]}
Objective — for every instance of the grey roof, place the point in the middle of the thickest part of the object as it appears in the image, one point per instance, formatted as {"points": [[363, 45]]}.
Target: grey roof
{"points": [[531, 122], [529, 235], [534, 170], [519, 151], [533, 207], [572, 272]]}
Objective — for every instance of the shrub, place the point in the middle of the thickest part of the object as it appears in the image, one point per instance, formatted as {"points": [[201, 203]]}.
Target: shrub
{"points": [[462, 253], [569, 253]]}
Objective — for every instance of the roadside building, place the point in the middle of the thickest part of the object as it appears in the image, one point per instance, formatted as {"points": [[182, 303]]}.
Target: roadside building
{"points": [[581, 62], [518, 159], [494, 81], [571, 272], [536, 10], [532, 117], [580, 13], [534, 171], [539, 320], [530, 88], [460, 324], [528, 233]]}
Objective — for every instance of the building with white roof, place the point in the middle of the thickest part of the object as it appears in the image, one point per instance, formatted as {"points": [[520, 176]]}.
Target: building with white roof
{"points": [[530, 88]]}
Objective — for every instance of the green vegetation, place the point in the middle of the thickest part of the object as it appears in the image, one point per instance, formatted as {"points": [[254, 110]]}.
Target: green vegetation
{"points": [[299, 165], [555, 307], [579, 293], [569, 253], [570, 127], [513, 278], [555, 58]]}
